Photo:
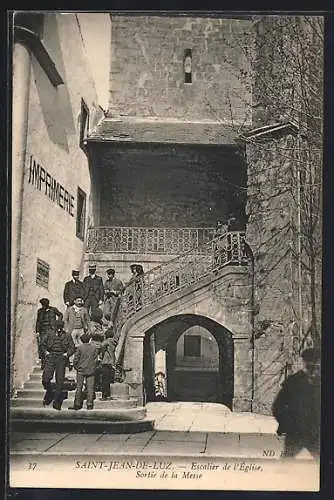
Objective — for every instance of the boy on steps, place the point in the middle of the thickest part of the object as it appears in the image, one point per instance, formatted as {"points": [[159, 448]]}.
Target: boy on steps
{"points": [[84, 362], [108, 363]]}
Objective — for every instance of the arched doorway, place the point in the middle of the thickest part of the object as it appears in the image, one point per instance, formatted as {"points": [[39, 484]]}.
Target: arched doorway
{"points": [[191, 358], [193, 366]]}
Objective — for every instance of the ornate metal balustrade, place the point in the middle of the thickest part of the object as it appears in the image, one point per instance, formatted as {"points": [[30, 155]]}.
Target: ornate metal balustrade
{"points": [[179, 273], [147, 239]]}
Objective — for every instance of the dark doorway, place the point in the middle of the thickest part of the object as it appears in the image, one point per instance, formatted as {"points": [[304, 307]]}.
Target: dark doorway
{"points": [[148, 371], [199, 360]]}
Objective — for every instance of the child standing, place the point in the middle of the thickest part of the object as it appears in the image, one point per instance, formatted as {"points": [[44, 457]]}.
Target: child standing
{"points": [[108, 362], [85, 360], [97, 339]]}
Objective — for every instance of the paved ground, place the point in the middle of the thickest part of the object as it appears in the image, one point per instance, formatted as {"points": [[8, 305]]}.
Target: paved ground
{"points": [[207, 417], [180, 428]]}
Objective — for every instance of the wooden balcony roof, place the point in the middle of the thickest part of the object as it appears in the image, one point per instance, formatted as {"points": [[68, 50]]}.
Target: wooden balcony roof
{"points": [[152, 130]]}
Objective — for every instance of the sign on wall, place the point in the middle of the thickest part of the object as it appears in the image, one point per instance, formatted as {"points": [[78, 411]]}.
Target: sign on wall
{"points": [[44, 181], [42, 273]]}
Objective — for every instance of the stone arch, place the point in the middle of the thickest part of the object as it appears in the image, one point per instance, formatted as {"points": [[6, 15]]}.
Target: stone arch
{"points": [[198, 380], [224, 300]]}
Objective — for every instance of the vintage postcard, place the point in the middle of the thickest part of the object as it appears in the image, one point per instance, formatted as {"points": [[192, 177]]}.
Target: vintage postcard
{"points": [[166, 250]]}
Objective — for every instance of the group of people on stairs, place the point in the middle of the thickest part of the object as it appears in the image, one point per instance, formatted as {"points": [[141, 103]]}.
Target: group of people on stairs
{"points": [[82, 338]]}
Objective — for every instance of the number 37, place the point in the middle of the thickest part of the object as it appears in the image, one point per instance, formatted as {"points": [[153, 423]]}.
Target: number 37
{"points": [[32, 466]]}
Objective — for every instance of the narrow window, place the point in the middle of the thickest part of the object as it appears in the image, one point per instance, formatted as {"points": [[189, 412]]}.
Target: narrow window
{"points": [[187, 64], [84, 124], [42, 273], [81, 214], [192, 346]]}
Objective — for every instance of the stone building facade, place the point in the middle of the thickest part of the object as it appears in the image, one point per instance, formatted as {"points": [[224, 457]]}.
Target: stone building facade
{"points": [[169, 162], [191, 133], [148, 70], [55, 104]]}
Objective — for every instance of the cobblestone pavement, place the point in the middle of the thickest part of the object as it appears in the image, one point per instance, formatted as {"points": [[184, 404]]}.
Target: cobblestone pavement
{"points": [[202, 429]]}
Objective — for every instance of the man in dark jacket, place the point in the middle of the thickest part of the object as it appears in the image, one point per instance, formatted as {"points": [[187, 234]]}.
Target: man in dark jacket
{"points": [[58, 347], [47, 317], [85, 363], [73, 289], [93, 289], [113, 288], [297, 407]]}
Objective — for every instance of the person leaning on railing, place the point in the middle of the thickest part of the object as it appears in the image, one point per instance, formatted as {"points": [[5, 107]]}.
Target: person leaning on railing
{"points": [[113, 287], [136, 286], [235, 224], [219, 250]]}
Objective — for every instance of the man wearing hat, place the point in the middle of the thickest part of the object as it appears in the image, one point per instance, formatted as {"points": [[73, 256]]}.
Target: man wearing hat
{"points": [[58, 347], [297, 407], [113, 287], [73, 288], [45, 323], [76, 320], [93, 289]]}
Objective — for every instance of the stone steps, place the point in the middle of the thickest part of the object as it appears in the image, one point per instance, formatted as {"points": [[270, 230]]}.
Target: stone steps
{"points": [[48, 413], [36, 402], [81, 426], [34, 386], [117, 415]]}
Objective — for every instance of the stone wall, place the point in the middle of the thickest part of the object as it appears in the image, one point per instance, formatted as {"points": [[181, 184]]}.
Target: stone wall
{"points": [[147, 71], [283, 205], [269, 234]]}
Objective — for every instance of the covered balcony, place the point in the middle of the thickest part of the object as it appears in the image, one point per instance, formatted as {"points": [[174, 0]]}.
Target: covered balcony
{"points": [[119, 247]]}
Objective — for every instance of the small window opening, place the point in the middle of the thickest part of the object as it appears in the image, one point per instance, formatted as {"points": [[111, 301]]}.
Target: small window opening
{"points": [[187, 64], [84, 124], [192, 346], [81, 214]]}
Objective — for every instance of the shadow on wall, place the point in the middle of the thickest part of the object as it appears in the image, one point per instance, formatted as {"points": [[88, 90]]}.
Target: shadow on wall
{"points": [[55, 101]]}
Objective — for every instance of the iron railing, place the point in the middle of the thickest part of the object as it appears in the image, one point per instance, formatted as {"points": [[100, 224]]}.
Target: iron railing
{"points": [[179, 273], [146, 240]]}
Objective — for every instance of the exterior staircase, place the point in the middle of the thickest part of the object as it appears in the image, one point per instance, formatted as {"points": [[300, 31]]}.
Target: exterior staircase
{"points": [[205, 282], [121, 414], [125, 414], [203, 263]]}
